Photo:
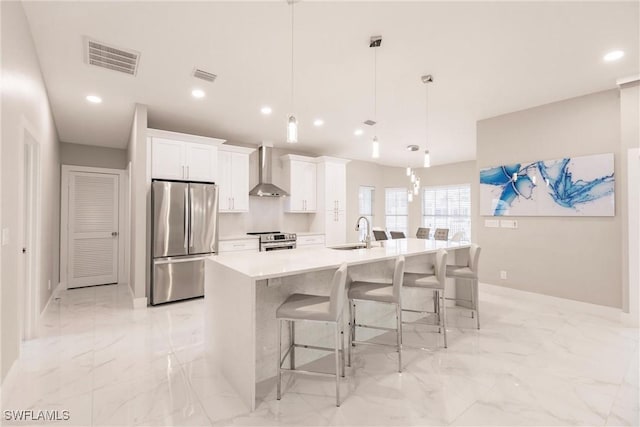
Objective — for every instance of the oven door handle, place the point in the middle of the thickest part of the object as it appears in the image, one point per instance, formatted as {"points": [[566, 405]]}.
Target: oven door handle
{"points": [[278, 245]]}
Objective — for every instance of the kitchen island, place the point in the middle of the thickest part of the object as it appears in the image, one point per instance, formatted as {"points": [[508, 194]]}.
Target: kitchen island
{"points": [[243, 291]]}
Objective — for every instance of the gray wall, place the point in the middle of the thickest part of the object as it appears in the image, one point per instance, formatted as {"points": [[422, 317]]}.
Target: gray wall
{"points": [[24, 96], [92, 156], [370, 174], [570, 257]]}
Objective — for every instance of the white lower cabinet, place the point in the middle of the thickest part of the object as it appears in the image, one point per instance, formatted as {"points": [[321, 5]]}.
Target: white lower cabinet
{"points": [[310, 240], [241, 245]]}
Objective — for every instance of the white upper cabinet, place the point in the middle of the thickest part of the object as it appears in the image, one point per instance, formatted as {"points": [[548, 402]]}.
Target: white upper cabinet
{"points": [[332, 200], [183, 157], [201, 162], [335, 186], [300, 174], [233, 178], [167, 159]]}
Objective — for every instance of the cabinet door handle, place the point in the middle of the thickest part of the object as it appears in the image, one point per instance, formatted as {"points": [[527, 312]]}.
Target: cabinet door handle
{"points": [[233, 203], [183, 175], [187, 171]]}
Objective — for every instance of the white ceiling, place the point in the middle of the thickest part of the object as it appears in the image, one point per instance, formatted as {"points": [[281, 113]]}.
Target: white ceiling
{"points": [[487, 58]]}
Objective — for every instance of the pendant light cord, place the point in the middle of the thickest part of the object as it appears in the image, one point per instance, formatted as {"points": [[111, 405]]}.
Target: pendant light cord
{"points": [[292, 22], [375, 84]]}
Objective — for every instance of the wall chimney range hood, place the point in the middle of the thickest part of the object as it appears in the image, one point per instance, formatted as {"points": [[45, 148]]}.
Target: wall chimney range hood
{"points": [[265, 188]]}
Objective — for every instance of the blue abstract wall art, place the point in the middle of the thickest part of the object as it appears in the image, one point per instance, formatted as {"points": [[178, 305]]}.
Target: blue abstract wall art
{"points": [[574, 186]]}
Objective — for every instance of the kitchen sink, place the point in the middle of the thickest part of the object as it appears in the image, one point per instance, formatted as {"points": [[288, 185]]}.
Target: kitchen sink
{"points": [[349, 247]]}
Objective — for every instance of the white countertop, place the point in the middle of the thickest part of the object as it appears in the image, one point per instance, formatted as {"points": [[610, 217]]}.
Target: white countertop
{"points": [[309, 233], [266, 265]]}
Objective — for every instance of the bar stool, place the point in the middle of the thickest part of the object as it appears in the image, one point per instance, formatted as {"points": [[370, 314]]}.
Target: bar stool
{"points": [[315, 308], [397, 235], [423, 233], [469, 273], [436, 284], [388, 293], [441, 234], [380, 235]]}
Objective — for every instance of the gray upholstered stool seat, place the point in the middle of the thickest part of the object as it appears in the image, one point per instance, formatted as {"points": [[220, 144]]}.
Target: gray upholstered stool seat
{"points": [[305, 307], [462, 272], [371, 291], [411, 277], [429, 282]]}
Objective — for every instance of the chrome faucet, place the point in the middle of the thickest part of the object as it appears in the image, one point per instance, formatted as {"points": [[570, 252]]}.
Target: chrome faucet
{"points": [[367, 240]]}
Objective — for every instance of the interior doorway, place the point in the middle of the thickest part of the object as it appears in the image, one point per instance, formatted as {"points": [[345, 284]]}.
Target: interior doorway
{"points": [[92, 226], [30, 192]]}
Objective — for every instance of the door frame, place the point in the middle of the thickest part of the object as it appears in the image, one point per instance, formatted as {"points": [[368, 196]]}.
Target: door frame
{"points": [[123, 187], [30, 292]]}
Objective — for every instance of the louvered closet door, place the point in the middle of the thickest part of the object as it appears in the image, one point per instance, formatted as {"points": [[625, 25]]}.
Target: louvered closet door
{"points": [[93, 229]]}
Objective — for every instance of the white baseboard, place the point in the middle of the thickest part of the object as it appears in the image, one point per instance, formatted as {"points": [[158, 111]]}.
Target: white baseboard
{"points": [[137, 302], [140, 302], [11, 373], [630, 320], [612, 313], [59, 288]]}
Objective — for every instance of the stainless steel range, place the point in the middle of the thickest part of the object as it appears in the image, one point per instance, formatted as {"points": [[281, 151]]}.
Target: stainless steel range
{"points": [[275, 240]]}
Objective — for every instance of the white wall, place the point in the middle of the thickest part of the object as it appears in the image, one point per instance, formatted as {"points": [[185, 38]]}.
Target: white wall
{"points": [[92, 156], [579, 258], [137, 158], [24, 98]]}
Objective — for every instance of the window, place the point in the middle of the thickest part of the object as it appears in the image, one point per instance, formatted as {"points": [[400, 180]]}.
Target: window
{"points": [[448, 207], [365, 199], [396, 211]]}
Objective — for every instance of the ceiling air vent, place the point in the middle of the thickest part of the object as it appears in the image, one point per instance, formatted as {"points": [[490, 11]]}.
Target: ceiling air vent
{"points": [[204, 75], [112, 58], [369, 122]]}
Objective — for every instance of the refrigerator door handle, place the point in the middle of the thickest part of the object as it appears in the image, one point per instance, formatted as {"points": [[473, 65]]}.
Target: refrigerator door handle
{"points": [[191, 218], [186, 216]]}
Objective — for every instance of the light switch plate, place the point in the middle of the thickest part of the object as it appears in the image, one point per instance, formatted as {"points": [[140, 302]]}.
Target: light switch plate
{"points": [[491, 223], [508, 223], [5, 236]]}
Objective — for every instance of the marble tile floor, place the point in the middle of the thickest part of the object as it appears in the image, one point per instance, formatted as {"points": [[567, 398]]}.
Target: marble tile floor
{"points": [[538, 361]]}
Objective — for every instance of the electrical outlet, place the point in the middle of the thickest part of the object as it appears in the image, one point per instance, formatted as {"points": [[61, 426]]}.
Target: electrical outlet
{"points": [[503, 275], [49, 284], [5, 236]]}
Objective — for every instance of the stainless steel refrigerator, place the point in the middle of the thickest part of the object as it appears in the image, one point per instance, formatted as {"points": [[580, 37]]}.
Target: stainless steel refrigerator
{"points": [[185, 232]]}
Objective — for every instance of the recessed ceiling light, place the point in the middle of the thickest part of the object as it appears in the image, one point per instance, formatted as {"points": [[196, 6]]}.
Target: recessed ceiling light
{"points": [[613, 55], [266, 110], [94, 99], [358, 132], [318, 122], [197, 93]]}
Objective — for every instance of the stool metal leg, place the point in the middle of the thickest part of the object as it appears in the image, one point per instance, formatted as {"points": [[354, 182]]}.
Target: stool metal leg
{"points": [[399, 335], [292, 335], [337, 354], [476, 301], [444, 316], [342, 347], [279, 386]]}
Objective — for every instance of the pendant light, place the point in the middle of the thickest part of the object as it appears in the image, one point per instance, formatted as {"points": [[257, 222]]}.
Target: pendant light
{"points": [[408, 171], [375, 42], [292, 123], [426, 79]]}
